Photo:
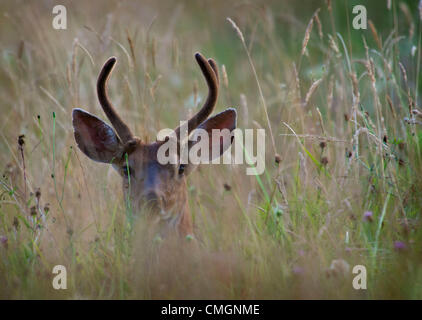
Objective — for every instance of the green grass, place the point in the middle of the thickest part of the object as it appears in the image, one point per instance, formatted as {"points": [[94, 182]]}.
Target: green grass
{"points": [[270, 236]]}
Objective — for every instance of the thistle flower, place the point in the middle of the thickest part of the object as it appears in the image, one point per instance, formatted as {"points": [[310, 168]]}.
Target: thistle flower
{"points": [[400, 246], [367, 216], [298, 270], [3, 241]]}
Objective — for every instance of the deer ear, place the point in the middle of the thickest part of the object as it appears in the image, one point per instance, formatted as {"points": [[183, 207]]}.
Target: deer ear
{"points": [[94, 137], [223, 120]]}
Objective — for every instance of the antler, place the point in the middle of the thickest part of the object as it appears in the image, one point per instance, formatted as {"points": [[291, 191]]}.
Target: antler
{"points": [[122, 129], [210, 71]]}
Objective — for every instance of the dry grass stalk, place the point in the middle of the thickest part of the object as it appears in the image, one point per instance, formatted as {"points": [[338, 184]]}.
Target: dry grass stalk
{"points": [[131, 46], [314, 137], [330, 93], [225, 77], [236, 28], [311, 90], [333, 45], [175, 53], [405, 9], [319, 25], [390, 104], [297, 81], [420, 9], [244, 108], [417, 113], [21, 49], [375, 34], [329, 7], [355, 84], [308, 33], [409, 97], [321, 122], [261, 94]]}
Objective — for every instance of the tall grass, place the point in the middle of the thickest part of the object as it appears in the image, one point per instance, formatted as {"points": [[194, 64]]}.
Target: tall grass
{"points": [[342, 183]]}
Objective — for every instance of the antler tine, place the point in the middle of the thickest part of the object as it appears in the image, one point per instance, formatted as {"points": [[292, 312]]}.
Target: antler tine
{"points": [[210, 72], [122, 129], [215, 68]]}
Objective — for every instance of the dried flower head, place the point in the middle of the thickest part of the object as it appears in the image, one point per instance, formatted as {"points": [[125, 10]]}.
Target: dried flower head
{"points": [[15, 223], [33, 211], [385, 138], [38, 194], [402, 145], [21, 140], [417, 113]]}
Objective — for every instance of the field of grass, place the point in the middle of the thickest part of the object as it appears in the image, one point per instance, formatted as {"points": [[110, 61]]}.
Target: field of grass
{"points": [[343, 125]]}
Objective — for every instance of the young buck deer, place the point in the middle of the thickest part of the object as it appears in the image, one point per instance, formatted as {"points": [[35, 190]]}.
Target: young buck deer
{"points": [[145, 180]]}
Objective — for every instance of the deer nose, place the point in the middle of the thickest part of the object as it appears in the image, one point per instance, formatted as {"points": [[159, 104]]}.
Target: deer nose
{"points": [[154, 197]]}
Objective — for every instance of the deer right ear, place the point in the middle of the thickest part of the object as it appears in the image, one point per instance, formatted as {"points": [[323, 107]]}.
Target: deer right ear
{"points": [[94, 137]]}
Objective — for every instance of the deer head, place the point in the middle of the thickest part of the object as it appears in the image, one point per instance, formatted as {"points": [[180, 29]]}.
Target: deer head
{"points": [[146, 182]]}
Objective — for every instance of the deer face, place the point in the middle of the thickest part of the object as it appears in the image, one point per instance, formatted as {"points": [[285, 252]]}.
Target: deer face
{"points": [[147, 182]]}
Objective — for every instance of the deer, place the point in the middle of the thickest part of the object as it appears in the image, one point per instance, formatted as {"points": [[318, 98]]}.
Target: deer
{"points": [[147, 182]]}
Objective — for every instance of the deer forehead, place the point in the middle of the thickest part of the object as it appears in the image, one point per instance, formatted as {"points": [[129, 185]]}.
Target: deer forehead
{"points": [[143, 158]]}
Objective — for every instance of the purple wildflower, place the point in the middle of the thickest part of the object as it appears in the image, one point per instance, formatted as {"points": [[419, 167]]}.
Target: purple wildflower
{"points": [[3, 240], [367, 216], [298, 270], [400, 245]]}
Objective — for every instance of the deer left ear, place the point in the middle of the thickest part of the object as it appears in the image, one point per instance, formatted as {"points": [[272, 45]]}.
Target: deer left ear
{"points": [[225, 120], [94, 137]]}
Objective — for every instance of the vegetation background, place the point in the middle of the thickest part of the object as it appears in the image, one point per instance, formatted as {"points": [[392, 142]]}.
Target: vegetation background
{"points": [[342, 185]]}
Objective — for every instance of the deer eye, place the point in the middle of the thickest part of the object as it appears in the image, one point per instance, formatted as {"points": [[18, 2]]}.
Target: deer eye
{"points": [[181, 169], [126, 171]]}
